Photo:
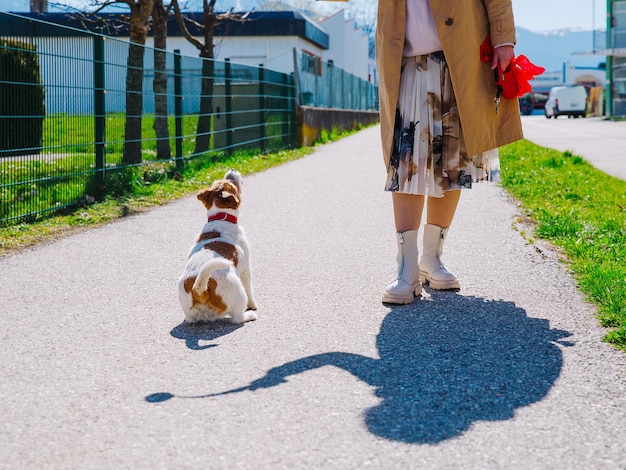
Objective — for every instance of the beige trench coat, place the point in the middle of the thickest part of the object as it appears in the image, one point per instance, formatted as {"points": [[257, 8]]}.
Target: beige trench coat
{"points": [[462, 26]]}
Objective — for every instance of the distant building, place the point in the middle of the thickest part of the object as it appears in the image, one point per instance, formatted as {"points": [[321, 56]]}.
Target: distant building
{"points": [[265, 37], [614, 49], [274, 39], [349, 45], [616, 56], [570, 74]]}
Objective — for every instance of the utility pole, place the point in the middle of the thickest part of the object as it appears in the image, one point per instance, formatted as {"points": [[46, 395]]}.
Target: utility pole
{"points": [[593, 26]]}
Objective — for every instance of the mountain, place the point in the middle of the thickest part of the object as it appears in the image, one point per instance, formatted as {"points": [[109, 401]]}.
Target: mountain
{"points": [[551, 48]]}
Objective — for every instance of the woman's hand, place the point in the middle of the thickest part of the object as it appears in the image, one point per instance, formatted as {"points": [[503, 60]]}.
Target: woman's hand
{"points": [[502, 55]]}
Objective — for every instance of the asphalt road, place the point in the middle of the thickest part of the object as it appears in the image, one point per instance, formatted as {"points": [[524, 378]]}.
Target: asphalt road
{"points": [[100, 371]]}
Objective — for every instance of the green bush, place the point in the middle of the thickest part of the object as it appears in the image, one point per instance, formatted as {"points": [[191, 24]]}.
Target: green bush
{"points": [[22, 105]]}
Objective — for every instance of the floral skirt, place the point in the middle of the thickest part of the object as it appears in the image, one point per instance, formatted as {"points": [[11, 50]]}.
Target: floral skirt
{"points": [[428, 155]]}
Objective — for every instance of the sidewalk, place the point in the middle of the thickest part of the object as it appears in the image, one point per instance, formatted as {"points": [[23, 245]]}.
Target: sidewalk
{"points": [[99, 370], [601, 142]]}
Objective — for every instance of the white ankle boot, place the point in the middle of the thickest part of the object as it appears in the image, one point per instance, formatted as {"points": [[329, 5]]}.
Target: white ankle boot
{"points": [[407, 285], [432, 270]]}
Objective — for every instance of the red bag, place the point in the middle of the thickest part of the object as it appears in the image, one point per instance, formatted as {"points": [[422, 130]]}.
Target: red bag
{"points": [[514, 80]]}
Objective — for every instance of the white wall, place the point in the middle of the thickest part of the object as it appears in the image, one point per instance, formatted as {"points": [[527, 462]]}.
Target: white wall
{"points": [[67, 72], [274, 52], [349, 46]]}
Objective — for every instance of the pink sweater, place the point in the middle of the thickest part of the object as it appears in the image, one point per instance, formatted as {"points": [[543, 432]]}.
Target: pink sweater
{"points": [[421, 34]]}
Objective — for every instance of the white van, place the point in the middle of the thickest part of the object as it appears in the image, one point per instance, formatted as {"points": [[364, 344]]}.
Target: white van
{"points": [[566, 100]]}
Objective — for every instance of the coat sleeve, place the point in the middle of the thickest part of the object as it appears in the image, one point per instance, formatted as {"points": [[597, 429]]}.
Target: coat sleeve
{"points": [[501, 22]]}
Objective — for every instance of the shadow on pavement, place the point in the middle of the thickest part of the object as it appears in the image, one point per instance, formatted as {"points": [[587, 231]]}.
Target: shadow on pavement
{"points": [[193, 333], [444, 365]]}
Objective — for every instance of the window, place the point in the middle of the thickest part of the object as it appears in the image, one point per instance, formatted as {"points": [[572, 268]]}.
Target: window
{"points": [[619, 24], [311, 63]]}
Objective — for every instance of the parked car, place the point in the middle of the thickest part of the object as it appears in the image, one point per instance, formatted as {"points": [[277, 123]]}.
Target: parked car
{"points": [[526, 104], [566, 100], [531, 101]]}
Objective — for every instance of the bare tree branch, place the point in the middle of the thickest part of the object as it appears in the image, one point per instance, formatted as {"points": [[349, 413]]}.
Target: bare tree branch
{"points": [[181, 23]]}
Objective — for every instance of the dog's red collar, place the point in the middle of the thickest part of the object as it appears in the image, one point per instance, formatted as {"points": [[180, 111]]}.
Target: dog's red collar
{"points": [[223, 216]]}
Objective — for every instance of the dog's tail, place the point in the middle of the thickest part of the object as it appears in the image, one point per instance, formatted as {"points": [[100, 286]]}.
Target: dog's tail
{"points": [[200, 285]]}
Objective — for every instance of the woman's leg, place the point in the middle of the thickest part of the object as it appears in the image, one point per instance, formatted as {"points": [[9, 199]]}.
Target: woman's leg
{"points": [[439, 215], [407, 211], [440, 210]]}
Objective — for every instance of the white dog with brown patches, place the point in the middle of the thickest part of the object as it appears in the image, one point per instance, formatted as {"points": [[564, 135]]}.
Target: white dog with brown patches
{"points": [[216, 282]]}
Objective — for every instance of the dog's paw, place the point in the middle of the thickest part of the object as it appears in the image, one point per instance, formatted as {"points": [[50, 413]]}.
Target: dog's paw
{"points": [[244, 317], [252, 305]]}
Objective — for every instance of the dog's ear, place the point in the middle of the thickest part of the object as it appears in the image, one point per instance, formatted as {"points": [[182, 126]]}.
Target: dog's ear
{"points": [[228, 200], [206, 196]]}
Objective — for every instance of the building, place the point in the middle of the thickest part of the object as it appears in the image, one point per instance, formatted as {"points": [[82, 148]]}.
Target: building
{"points": [[615, 52], [616, 57], [349, 45], [265, 38], [283, 41], [569, 74], [611, 45]]}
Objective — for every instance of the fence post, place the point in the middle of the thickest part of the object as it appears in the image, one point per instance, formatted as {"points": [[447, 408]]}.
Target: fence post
{"points": [[99, 108], [178, 107], [316, 98], [229, 106], [286, 114], [262, 105], [361, 94], [296, 78], [293, 105], [343, 90], [330, 68]]}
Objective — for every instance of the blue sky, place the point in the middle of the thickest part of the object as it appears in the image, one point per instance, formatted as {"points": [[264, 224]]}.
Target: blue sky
{"points": [[536, 15], [546, 15]]}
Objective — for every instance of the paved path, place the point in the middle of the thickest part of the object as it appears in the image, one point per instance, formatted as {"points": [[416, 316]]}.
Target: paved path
{"points": [[99, 370], [601, 142]]}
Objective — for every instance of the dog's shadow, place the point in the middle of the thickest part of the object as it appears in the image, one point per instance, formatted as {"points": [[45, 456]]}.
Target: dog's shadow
{"points": [[193, 333]]}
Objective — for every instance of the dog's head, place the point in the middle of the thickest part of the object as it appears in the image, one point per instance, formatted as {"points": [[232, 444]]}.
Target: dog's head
{"points": [[235, 177], [223, 194]]}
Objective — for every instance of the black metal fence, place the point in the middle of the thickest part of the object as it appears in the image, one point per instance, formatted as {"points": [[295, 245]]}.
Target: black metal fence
{"points": [[63, 113]]}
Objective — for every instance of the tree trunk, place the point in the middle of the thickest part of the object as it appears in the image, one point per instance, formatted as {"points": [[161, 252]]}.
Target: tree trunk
{"points": [[203, 131], [38, 6], [209, 21], [159, 86], [139, 25]]}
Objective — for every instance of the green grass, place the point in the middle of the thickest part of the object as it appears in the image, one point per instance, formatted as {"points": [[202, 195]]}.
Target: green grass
{"points": [[69, 134], [581, 210], [64, 171]]}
